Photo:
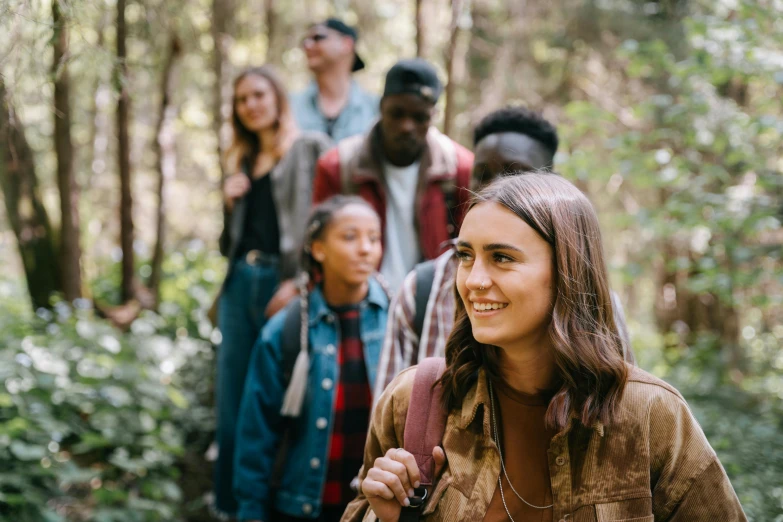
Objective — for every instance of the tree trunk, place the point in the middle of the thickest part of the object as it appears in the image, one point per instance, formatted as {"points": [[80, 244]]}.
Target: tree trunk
{"points": [[222, 26], [123, 153], [25, 209], [70, 251], [420, 29], [270, 20], [166, 158], [457, 9]]}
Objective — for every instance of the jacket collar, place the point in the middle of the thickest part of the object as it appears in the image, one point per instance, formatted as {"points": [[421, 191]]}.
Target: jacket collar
{"points": [[318, 308], [478, 396], [311, 93], [438, 161]]}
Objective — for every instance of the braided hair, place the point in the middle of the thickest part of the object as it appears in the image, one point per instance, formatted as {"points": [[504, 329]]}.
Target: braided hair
{"points": [[312, 272]]}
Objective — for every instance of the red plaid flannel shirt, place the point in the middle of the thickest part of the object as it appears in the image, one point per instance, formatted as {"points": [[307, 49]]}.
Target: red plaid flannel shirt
{"points": [[351, 412]]}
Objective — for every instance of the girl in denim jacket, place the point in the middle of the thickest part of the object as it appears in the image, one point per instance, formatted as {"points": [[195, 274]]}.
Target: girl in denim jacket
{"points": [[316, 425]]}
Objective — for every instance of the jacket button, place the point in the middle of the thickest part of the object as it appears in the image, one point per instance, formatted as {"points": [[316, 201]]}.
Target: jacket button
{"points": [[330, 349], [321, 423], [327, 384], [329, 319], [307, 509], [560, 460], [315, 463]]}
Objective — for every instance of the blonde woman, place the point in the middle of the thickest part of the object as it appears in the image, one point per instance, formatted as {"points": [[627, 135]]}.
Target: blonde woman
{"points": [[267, 200]]}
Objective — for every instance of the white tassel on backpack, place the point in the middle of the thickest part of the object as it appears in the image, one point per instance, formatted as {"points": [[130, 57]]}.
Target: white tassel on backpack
{"points": [[294, 395]]}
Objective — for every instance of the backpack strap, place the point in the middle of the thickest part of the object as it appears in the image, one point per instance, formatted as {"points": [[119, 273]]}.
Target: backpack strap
{"points": [[425, 422], [449, 189], [347, 150], [290, 344], [290, 339], [425, 274]]}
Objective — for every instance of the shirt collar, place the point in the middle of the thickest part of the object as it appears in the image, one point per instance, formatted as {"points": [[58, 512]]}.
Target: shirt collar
{"points": [[438, 161], [318, 308], [311, 91], [312, 94]]}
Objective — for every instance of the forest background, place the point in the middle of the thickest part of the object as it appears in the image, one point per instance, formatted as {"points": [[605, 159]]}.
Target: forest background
{"points": [[111, 118]]}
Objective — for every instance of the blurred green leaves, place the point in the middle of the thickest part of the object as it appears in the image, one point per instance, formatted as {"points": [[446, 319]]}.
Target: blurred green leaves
{"points": [[94, 422]]}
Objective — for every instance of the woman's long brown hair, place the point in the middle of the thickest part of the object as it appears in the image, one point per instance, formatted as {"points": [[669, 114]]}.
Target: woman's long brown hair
{"points": [[587, 345], [245, 144]]}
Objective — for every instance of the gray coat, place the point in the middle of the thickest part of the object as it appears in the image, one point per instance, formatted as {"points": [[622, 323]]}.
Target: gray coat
{"points": [[292, 189]]}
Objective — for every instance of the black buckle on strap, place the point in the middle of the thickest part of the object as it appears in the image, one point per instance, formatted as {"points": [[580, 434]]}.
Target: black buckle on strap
{"points": [[412, 513], [418, 498]]}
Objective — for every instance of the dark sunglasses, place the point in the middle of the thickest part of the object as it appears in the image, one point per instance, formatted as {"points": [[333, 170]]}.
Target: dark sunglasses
{"points": [[315, 38]]}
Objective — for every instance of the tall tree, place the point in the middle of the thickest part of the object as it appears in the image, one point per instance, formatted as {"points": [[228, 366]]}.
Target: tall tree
{"points": [[166, 158], [270, 20], [420, 28], [459, 9], [222, 28], [70, 251], [25, 208], [123, 154]]}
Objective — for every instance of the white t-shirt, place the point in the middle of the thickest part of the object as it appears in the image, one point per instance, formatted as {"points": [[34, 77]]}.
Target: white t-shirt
{"points": [[401, 251]]}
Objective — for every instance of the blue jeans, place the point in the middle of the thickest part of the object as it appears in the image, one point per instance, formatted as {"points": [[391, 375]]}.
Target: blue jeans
{"points": [[246, 293]]}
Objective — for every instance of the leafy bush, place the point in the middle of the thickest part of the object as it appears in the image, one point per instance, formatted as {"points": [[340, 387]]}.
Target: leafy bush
{"points": [[96, 424]]}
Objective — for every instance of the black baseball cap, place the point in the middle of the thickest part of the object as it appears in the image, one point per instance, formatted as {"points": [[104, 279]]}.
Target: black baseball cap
{"points": [[415, 76], [351, 32]]}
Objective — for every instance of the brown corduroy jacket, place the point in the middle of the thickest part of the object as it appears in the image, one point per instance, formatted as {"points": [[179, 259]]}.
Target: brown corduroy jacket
{"points": [[652, 464]]}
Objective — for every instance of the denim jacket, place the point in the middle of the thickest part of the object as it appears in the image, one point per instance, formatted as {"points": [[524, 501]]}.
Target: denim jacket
{"points": [[357, 116], [261, 426]]}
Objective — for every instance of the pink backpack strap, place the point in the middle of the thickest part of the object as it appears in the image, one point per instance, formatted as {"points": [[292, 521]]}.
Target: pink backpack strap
{"points": [[426, 419]]}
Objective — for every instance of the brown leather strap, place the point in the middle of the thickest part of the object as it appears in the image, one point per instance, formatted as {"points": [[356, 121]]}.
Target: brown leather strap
{"points": [[426, 418]]}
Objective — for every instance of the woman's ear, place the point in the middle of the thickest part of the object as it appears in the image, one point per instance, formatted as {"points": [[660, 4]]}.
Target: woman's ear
{"points": [[317, 251]]}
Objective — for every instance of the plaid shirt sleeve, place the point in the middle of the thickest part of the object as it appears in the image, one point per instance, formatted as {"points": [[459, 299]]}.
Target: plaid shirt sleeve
{"points": [[401, 342]]}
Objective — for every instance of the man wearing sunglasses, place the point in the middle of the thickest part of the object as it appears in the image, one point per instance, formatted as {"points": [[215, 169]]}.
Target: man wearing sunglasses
{"points": [[333, 103]]}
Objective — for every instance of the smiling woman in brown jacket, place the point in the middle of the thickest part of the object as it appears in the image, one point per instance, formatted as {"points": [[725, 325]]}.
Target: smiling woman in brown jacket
{"points": [[546, 421]]}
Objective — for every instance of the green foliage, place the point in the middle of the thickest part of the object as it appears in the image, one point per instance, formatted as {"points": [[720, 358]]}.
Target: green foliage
{"points": [[744, 426], [96, 424], [692, 159]]}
